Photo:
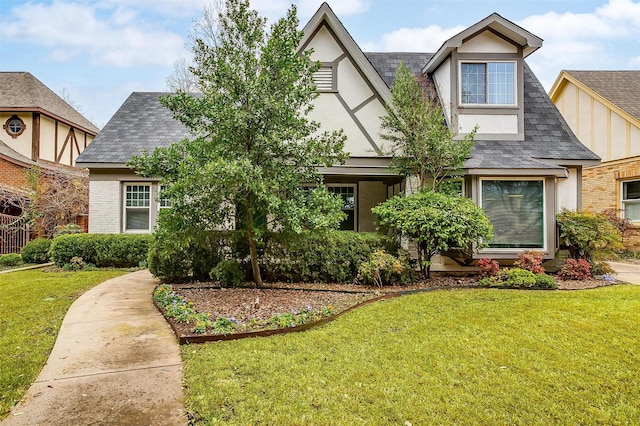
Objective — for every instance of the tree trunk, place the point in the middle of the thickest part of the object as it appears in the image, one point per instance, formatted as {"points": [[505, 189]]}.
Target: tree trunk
{"points": [[253, 250]]}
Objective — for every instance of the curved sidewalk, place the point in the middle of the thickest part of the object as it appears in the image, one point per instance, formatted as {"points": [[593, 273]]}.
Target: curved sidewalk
{"points": [[627, 272], [115, 361]]}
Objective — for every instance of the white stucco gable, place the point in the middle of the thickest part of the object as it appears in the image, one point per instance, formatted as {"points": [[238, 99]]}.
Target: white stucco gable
{"points": [[352, 93]]}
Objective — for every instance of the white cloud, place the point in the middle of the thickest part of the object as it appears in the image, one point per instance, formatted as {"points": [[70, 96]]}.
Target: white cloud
{"points": [[107, 37], [427, 39]]}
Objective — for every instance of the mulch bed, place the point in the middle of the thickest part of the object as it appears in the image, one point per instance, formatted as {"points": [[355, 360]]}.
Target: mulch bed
{"points": [[248, 303]]}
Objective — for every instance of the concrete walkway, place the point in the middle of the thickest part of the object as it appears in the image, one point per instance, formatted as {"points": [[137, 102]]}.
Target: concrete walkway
{"points": [[115, 362], [626, 272]]}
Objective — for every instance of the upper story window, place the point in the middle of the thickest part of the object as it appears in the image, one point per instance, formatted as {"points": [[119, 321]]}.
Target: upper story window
{"points": [[14, 126], [324, 78], [488, 83]]}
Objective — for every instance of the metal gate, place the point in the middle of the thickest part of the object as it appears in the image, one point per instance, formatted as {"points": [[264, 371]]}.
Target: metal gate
{"points": [[14, 234]]}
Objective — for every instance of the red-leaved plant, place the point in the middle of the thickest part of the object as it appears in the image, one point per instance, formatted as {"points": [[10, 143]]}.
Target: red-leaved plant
{"points": [[530, 260], [488, 267], [575, 269]]}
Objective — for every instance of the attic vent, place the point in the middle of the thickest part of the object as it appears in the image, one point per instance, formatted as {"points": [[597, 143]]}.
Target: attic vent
{"points": [[323, 79]]}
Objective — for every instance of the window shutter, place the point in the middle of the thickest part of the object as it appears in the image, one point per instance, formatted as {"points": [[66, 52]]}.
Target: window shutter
{"points": [[323, 78]]}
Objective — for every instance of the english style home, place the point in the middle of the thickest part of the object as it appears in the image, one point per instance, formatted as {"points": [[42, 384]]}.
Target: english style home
{"points": [[603, 110], [525, 167]]}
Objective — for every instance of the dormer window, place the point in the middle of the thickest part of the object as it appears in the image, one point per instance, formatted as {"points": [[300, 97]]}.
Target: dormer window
{"points": [[488, 83]]}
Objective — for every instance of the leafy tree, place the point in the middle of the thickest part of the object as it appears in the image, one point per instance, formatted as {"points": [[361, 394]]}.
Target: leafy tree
{"points": [[253, 144], [436, 222], [422, 143]]}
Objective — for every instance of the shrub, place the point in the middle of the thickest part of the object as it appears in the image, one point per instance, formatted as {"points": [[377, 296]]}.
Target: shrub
{"points": [[436, 222], [488, 267], [103, 250], [70, 228], [229, 273], [321, 256], [519, 278], [589, 235], [11, 259], [75, 264], [546, 281], [530, 260], [384, 269], [36, 251], [575, 269]]}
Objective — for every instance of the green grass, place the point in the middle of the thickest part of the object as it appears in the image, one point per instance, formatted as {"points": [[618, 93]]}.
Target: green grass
{"points": [[32, 306], [446, 357]]}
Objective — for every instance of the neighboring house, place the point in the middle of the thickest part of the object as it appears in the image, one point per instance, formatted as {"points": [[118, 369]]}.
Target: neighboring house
{"points": [[603, 110], [525, 166], [39, 129]]}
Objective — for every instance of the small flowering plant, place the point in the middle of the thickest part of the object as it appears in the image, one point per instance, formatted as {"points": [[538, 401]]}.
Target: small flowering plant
{"points": [[181, 310]]}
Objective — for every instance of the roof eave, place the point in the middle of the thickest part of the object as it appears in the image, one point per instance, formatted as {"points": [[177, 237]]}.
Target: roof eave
{"points": [[528, 41], [324, 13]]}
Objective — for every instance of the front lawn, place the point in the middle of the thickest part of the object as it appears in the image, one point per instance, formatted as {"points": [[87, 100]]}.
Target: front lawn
{"points": [[32, 306], [473, 356]]}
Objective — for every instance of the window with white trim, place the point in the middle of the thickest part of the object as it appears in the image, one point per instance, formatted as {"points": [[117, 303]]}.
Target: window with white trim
{"points": [[324, 78], [163, 201], [515, 208], [137, 203], [631, 200], [348, 195], [488, 83]]}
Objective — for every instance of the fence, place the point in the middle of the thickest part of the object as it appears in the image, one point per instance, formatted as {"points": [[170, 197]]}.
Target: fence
{"points": [[14, 234]]}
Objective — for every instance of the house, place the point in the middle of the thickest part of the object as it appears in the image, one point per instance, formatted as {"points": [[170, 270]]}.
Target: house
{"points": [[39, 130], [603, 110], [526, 164]]}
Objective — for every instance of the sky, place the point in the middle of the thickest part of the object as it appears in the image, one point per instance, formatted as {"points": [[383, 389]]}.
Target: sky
{"points": [[97, 52]]}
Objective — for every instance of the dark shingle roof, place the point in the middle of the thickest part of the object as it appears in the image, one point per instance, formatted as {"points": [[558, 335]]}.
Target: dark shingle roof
{"points": [[546, 135], [21, 90], [386, 63], [621, 88], [141, 123]]}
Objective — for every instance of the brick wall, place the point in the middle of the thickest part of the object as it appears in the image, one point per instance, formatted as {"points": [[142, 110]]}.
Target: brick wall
{"points": [[601, 191], [12, 175], [105, 209]]}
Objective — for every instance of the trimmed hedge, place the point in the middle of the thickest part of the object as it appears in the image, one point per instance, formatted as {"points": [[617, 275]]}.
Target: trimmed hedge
{"points": [[102, 250], [36, 251], [328, 256]]}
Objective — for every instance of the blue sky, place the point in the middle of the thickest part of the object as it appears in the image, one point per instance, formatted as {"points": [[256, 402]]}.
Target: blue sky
{"points": [[99, 51]]}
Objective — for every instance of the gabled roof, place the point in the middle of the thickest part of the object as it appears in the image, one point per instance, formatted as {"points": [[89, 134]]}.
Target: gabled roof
{"points": [[21, 91], [619, 90], [494, 22], [141, 123], [386, 63], [326, 15]]}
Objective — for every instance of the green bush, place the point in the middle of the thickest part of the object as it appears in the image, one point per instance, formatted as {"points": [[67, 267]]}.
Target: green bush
{"points": [[589, 235], [321, 256], [103, 250], [11, 259], [229, 273], [36, 251], [384, 269], [519, 278]]}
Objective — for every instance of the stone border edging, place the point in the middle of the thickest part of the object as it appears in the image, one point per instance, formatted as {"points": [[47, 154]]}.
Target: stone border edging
{"points": [[264, 333], [26, 268]]}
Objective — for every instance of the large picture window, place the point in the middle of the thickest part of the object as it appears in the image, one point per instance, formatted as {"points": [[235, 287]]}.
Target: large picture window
{"points": [[348, 195], [631, 200], [516, 211], [492, 83], [137, 207]]}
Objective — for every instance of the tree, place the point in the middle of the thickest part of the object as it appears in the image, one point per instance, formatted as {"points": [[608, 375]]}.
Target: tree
{"points": [[422, 143], [205, 29], [436, 222], [253, 144]]}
